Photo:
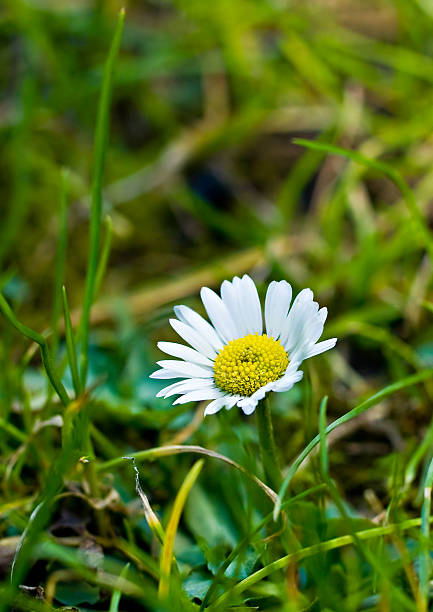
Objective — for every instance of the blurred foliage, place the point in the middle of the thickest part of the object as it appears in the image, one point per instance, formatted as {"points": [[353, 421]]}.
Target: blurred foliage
{"points": [[203, 181]]}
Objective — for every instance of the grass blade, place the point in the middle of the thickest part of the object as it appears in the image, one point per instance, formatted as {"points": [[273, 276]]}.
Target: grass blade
{"points": [[70, 344], [174, 449], [372, 401], [151, 518], [324, 464], [60, 261], [245, 542], [105, 252], [39, 339], [425, 563], [390, 172], [167, 549], [310, 551], [101, 141], [71, 450], [117, 593]]}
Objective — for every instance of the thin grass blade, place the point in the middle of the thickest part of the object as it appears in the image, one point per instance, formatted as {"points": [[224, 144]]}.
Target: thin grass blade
{"points": [[390, 172], [117, 593], [167, 549], [372, 401], [70, 344], [101, 142], [60, 260]]}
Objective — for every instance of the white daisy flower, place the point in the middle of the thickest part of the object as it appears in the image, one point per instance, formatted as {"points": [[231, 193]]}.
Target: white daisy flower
{"points": [[232, 362]]}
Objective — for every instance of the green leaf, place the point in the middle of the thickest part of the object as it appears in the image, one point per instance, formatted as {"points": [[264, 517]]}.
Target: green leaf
{"points": [[76, 593], [209, 519], [196, 585]]}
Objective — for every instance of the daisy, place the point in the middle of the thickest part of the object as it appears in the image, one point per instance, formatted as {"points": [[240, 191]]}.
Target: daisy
{"points": [[233, 362]]}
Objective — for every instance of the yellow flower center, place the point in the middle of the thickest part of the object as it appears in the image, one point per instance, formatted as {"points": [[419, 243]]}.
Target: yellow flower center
{"points": [[246, 364]]}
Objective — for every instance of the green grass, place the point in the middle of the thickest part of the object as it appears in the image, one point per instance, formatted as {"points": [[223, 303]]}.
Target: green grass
{"points": [[150, 153]]}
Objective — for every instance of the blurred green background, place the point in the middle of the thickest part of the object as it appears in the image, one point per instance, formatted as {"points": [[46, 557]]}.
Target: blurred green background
{"points": [[202, 182]]}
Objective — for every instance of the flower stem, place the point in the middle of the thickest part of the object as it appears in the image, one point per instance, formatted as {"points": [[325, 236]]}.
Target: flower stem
{"points": [[268, 450]]}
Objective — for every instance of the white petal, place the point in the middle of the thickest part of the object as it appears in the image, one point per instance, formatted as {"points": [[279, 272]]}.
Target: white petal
{"points": [[287, 381], [303, 309], [215, 406], [218, 314], [205, 329], [260, 393], [231, 298], [308, 334], [323, 313], [277, 303], [186, 368], [311, 332], [248, 405], [320, 347], [194, 338], [163, 373], [199, 395], [231, 400], [251, 305], [184, 386], [184, 352], [314, 329]]}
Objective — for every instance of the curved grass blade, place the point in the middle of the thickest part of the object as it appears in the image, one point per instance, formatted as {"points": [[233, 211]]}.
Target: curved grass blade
{"points": [[420, 451], [310, 551], [246, 541], [13, 431], [45, 353], [167, 549], [101, 141], [117, 593], [174, 449], [390, 172], [372, 401], [339, 503]]}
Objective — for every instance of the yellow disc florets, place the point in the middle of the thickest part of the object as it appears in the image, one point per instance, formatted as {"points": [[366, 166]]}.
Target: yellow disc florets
{"points": [[246, 364]]}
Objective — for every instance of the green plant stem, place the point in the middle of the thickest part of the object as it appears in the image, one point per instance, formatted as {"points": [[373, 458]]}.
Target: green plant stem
{"points": [[268, 450], [39, 339], [100, 515]]}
